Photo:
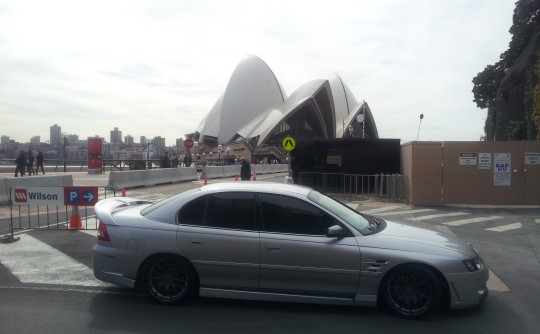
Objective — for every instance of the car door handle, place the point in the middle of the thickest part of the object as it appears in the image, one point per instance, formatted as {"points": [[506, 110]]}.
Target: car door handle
{"points": [[273, 249], [196, 243]]}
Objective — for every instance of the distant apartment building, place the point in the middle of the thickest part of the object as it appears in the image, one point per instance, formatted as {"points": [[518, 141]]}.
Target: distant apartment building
{"points": [[128, 140], [5, 139], [56, 135], [35, 140], [116, 136]]}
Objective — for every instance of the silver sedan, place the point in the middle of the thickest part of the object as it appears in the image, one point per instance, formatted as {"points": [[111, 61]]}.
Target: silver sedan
{"points": [[281, 242]]}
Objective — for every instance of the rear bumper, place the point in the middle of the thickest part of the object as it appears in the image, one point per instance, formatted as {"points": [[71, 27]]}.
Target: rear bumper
{"points": [[106, 267]]}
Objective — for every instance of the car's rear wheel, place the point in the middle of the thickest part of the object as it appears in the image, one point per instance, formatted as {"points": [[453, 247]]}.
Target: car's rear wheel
{"points": [[411, 291], [169, 279]]}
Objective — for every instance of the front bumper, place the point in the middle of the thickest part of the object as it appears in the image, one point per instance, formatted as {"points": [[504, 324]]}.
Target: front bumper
{"points": [[467, 289]]}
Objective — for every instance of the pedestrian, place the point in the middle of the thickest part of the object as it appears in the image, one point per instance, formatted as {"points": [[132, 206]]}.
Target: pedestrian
{"points": [[175, 161], [245, 169], [20, 164], [30, 163], [39, 162], [165, 162]]}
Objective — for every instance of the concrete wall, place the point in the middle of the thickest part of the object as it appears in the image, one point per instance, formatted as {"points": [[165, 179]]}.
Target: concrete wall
{"points": [[452, 173]]}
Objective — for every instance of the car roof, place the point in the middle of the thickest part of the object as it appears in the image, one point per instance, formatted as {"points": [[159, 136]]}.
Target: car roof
{"points": [[257, 186]]}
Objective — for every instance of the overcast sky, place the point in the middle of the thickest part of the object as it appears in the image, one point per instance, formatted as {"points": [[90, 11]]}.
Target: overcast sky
{"points": [[156, 67]]}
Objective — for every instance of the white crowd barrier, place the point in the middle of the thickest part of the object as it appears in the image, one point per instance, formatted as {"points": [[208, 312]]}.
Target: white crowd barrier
{"points": [[215, 172], [139, 178], [32, 181]]}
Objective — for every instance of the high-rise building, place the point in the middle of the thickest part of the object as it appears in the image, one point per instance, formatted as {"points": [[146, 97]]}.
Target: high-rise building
{"points": [[128, 140], [35, 140], [56, 135], [143, 140], [116, 136], [5, 139]]}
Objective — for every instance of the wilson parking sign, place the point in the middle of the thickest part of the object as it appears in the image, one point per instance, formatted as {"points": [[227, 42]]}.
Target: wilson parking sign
{"points": [[37, 196], [84, 196]]}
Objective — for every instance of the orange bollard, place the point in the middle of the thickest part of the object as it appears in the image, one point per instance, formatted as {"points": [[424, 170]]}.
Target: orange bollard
{"points": [[236, 177], [205, 181], [123, 192], [75, 222], [254, 176]]}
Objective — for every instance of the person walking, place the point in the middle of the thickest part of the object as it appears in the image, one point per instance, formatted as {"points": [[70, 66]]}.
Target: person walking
{"points": [[245, 169], [30, 163], [20, 164], [165, 162], [39, 162]]}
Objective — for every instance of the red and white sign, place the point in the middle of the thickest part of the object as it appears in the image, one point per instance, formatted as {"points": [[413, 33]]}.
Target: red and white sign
{"points": [[188, 143], [38, 196]]}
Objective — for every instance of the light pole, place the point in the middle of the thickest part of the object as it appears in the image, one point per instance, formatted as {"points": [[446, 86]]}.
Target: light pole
{"points": [[196, 145], [219, 148], [65, 153], [418, 134]]}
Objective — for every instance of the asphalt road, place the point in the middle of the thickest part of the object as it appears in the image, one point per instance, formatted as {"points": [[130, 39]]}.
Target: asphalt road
{"points": [[46, 284]]}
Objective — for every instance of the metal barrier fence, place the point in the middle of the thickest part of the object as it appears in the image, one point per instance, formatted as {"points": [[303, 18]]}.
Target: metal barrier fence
{"points": [[356, 186], [55, 217]]}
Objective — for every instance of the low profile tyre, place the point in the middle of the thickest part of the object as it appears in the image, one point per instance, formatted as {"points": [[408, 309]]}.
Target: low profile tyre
{"points": [[411, 291], [169, 279]]}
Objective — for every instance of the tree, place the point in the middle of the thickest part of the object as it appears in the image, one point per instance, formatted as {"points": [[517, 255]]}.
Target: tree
{"points": [[486, 84]]}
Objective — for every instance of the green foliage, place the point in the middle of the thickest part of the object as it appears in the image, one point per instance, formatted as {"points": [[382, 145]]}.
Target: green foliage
{"points": [[516, 130], [526, 24], [536, 100], [486, 84]]}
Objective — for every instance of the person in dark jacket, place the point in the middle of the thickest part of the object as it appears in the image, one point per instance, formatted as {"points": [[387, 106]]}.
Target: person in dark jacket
{"points": [[20, 163], [245, 169], [39, 162], [30, 163], [165, 162]]}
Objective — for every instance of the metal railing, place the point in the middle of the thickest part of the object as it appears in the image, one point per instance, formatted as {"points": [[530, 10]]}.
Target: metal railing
{"points": [[356, 186], [54, 217]]}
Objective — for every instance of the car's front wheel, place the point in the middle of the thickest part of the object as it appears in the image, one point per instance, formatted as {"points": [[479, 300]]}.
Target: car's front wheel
{"points": [[411, 291], [169, 279]]}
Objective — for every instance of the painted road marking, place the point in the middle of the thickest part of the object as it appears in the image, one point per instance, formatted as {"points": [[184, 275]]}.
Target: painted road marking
{"points": [[395, 213], [384, 208], [451, 214], [505, 228], [471, 220], [33, 261]]}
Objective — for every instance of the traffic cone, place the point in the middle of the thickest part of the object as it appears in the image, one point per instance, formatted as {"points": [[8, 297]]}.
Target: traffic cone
{"points": [[75, 222], [123, 192], [254, 176], [205, 181], [236, 177]]}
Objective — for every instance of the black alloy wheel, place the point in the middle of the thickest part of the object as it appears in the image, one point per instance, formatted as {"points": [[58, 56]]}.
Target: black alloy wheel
{"points": [[412, 291], [169, 279]]}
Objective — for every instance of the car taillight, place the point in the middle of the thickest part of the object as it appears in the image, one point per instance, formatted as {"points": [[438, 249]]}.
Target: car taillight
{"points": [[102, 233]]}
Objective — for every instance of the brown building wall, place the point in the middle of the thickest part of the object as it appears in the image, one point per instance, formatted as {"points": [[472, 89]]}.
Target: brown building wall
{"points": [[471, 173]]}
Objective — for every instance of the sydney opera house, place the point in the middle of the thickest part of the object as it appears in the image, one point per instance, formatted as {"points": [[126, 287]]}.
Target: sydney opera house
{"points": [[255, 112]]}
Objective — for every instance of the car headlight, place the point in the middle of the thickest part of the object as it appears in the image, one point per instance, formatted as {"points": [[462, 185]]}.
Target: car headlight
{"points": [[475, 264]]}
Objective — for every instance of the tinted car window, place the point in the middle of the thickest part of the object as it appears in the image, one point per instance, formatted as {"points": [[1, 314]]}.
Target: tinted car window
{"points": [[286, 214], [234, 210], [193, 212]]}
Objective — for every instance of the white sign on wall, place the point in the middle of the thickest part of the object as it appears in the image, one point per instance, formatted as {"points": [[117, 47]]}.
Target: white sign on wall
{"points": [[484, 161], [502, 171], [467, 158], [532, 158]]}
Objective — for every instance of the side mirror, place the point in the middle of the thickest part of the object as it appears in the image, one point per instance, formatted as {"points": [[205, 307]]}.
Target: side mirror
{"points": [[336, 231]]}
